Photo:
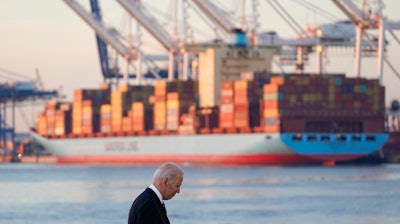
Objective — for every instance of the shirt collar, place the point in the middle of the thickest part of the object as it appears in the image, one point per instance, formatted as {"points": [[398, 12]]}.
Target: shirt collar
{"points": [[152, 187]]}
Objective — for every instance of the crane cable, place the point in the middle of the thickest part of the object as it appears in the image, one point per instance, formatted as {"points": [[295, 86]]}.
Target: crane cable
{"points": [[318, 10], [13, 74]]}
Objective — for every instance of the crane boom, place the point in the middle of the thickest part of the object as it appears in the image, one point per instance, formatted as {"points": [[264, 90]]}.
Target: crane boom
{"points": [[102, 46], [354, 14], [215, 14], [100, 30], [151, 25]]}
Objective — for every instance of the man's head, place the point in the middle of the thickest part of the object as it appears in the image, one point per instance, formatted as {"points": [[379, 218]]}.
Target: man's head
{"points": [[168, 179]]}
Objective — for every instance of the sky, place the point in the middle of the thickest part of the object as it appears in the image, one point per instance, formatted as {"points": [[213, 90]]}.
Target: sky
{"points": [[47, 36]]}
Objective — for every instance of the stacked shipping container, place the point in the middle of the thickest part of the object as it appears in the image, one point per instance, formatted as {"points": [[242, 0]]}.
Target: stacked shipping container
{"points": [[267, 102], [141, 109], [314, 103], [55, 120], [86, 109], [160, 112], [226, 107]]}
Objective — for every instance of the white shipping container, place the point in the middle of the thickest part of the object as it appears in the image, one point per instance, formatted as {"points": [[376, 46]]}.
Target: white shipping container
{"points": [[226, 108]]}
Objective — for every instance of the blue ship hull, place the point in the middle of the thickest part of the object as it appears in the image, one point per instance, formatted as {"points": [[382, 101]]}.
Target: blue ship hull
{"points": [[334, 146]]}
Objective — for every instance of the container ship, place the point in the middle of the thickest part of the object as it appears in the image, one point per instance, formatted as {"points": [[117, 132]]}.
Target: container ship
{"points": [[236, 113]]}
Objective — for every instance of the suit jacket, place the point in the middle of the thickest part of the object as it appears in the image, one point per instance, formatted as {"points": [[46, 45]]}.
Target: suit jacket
{"points": [[147, 209]]}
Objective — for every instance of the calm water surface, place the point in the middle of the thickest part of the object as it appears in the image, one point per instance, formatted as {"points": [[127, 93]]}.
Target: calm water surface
{"points": [[50, 193]]}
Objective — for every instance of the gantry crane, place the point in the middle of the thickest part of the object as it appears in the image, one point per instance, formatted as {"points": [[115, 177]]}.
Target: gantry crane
{"points": [[365, 19], [12, 93], [155, 29], [106, 36]]}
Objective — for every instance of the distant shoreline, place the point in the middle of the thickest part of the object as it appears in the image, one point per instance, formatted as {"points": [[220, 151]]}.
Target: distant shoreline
{"points": [[30, 159]]}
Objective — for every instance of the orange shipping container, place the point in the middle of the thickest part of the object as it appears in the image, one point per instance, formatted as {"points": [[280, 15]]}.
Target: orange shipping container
{"points": [[241, 107], [105, 121], [226, 92], [126, 124], [160, 88], [271, 104], [241, 123], [226, 116], [227, 84], [279, 80], [270, 88], [226, 124], [116, 127], [271, 128], [243, 115]]}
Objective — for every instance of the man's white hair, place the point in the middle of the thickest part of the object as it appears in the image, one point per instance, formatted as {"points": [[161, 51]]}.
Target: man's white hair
{"points": [[167, 170]]}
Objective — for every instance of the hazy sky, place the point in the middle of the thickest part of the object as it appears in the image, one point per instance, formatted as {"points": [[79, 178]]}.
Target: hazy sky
{"points": [[47, 35]]}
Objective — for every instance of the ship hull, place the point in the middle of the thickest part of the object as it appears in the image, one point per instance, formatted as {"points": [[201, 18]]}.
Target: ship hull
{"points": [[207, 149], [266, 159], [334, 146], [224, 149]]}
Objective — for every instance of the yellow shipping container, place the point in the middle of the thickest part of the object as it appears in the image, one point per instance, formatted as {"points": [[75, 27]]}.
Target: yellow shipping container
{"points": [[241, 84], [116, 111], [271, 113], [77, 129], [137, 113], [173, 104], [105, 108], [87, 109], [116, 97], [116, 120], [122, 88], [160, 118], [138, 106], [159, 106]]}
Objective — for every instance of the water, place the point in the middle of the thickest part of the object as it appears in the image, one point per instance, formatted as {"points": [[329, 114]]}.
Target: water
{"points": [[50, 193]]}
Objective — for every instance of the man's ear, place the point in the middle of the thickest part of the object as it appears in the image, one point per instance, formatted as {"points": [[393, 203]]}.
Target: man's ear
{"points": [[166, 181]]}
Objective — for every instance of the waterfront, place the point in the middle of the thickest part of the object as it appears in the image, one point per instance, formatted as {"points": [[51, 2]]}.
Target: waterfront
{"points": [[51, 193]]}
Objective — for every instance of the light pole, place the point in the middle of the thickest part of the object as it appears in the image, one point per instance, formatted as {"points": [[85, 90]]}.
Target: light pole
{"points": [[14, 156]]}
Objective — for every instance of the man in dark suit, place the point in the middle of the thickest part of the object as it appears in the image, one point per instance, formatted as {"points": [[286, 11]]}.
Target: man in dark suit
{"points": [[148, 207]]}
